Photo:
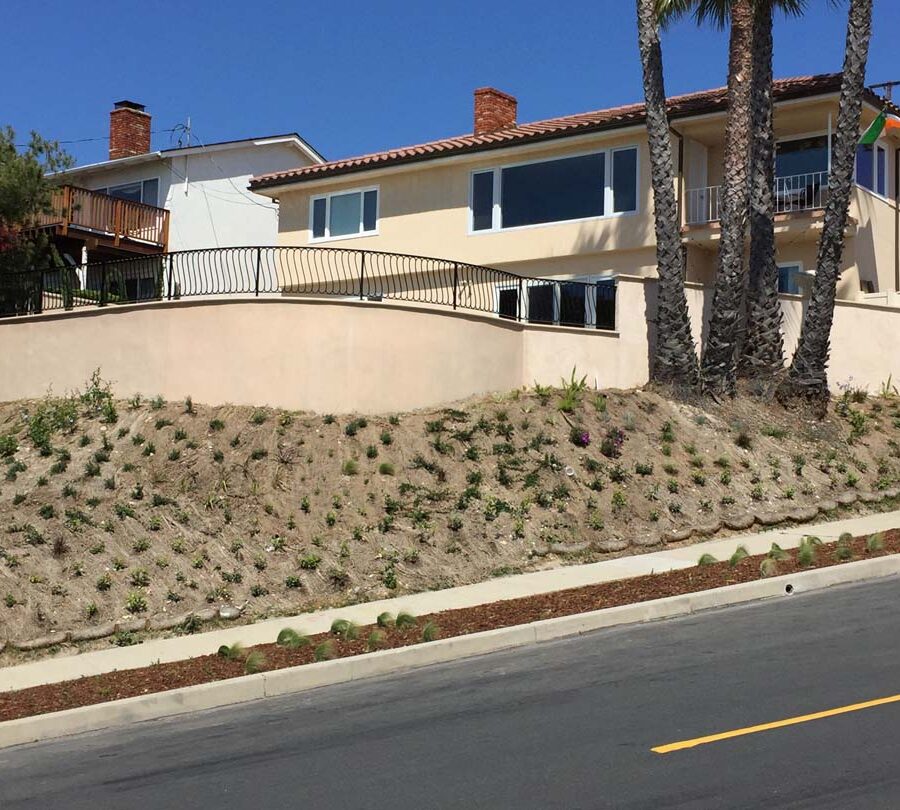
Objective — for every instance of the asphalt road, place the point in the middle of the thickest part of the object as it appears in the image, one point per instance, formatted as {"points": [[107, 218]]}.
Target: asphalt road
{"points": [[568, 724]]}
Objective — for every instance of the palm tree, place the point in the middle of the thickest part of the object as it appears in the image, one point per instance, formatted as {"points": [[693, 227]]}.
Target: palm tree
{"points": [[718, 363], [807, 378], [762, 350], [675, 360]]}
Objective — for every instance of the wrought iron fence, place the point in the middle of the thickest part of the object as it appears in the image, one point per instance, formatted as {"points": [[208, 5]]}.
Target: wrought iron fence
{"points": [[313, 271]]}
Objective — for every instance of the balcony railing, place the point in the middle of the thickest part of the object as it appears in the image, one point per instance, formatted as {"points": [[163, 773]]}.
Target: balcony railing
{"points": [[366, 275], [117, 219], [798, 192]]}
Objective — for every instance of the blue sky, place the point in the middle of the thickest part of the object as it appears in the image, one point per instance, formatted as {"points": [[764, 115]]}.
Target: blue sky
{"points": [[355, 77]]}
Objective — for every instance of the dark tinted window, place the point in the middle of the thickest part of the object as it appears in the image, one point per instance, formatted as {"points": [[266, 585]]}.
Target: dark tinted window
{"points": [[509, 304], [624, 180], [801, 156], [482, 201], [881, 172], [553, 191], [605, 312], [571, 304], [150, 193], [319, 217], [370, 200], [540, 303], [865, 166]]}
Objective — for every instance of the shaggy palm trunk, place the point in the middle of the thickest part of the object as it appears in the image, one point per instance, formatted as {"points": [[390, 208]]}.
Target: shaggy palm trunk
{"points": [[675, 359], [762, 353], [717, 369], [807, 379]]}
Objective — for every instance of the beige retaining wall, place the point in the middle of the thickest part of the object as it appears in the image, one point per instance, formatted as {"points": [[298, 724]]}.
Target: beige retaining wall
{"points": [[347, 356]]}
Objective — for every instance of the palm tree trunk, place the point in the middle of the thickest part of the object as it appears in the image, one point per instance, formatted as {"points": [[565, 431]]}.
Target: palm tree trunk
{"points": [[717, 369], [807, 378], [762, 354], [675, 359]]}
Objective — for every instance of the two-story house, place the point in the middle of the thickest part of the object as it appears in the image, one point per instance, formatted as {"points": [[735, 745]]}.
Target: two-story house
{"points": [[570, 198], [144, 201]]}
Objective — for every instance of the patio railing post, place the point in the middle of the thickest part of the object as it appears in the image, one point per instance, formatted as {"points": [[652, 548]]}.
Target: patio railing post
{"points": [[103, 283], [455, 282], [169, 277], [362, 275], [39, 304], [258, 261], [519, 302]]}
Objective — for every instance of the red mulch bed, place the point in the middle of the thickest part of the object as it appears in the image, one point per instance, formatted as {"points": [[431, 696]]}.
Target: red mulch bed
{"points": [[207, 668]]}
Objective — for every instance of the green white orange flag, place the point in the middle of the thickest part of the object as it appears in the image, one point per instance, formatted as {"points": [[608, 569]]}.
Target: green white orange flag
{"points": [[884, 124]]}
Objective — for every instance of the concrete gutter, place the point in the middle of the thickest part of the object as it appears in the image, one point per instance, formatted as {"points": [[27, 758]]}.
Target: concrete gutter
{"points": [[311, 676], [178, 648]]}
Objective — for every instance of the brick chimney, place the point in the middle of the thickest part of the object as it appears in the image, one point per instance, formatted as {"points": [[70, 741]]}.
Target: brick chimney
{"points": [[129, 130], [494, 110]]}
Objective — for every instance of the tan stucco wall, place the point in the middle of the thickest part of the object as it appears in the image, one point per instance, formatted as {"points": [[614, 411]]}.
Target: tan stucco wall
{"points": [[352, 356]]}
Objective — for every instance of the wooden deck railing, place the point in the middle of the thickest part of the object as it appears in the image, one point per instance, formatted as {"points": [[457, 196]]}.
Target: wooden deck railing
{"points": [[119, 219]]}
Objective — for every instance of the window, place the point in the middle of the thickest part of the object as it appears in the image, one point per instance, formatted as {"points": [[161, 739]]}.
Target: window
{"points": [[583, 302], [871, 168], [482, 201], [541, 303], [143, 191], [789, 278], [349, 213], [508, 303], [560, 190], [801, 156]]}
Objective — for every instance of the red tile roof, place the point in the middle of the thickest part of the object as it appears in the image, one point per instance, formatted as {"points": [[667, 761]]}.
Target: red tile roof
{"points": [[683, 106]]}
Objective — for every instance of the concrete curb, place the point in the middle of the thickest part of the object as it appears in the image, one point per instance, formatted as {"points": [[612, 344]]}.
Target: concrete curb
{"points": [[311, 676]]}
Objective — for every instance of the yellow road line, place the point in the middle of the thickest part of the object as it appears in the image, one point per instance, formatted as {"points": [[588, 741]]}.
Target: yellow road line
{"points": [[790, 721]]}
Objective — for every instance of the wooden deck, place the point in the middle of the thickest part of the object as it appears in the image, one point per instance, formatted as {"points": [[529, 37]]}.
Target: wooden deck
{"points": [[114, 222]]}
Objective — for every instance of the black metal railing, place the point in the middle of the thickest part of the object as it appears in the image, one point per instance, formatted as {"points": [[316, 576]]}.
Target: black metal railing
{"points": [[314, 271]]}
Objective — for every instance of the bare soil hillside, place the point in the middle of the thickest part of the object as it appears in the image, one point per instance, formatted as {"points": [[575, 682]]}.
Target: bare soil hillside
{"points": [[114, 510]]}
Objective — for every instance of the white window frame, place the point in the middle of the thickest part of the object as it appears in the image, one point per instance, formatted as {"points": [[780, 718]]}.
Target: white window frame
{"points": [[878, 145], [497, 213], [327, 197], [800, 272]]}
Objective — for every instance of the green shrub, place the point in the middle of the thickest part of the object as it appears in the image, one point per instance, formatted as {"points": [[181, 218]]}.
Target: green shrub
{"points": [[231, 653], [9, 446], [386, 468], [309, 562], [875, 543], [254, 662], [292, 640], [258, 417], [349, 467], [385, 619], [739, 554], [104, 582], [404, 620], [430, 631], [325, 651], [375, 640], [135, 603], [344, 628]]}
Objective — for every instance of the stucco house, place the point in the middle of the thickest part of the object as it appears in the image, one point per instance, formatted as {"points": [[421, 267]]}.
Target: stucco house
{"points": [[570, 198]]}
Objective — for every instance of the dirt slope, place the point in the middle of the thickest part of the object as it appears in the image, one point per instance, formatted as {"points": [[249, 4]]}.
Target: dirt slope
{"points": [[113, 509]]}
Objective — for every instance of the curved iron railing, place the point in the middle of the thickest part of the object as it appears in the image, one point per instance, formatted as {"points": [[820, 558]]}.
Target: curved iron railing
{"points": [[312, 271]]}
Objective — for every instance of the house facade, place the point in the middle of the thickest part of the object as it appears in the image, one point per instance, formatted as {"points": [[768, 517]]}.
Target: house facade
{"points": [[570, 198], [146, 202]]}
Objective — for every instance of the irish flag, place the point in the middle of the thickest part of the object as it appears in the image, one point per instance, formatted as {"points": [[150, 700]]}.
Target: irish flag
{"points": [[885, 124]]}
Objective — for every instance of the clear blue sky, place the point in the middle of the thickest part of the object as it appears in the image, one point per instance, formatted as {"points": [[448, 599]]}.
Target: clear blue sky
{"points": [[355, 77]]}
